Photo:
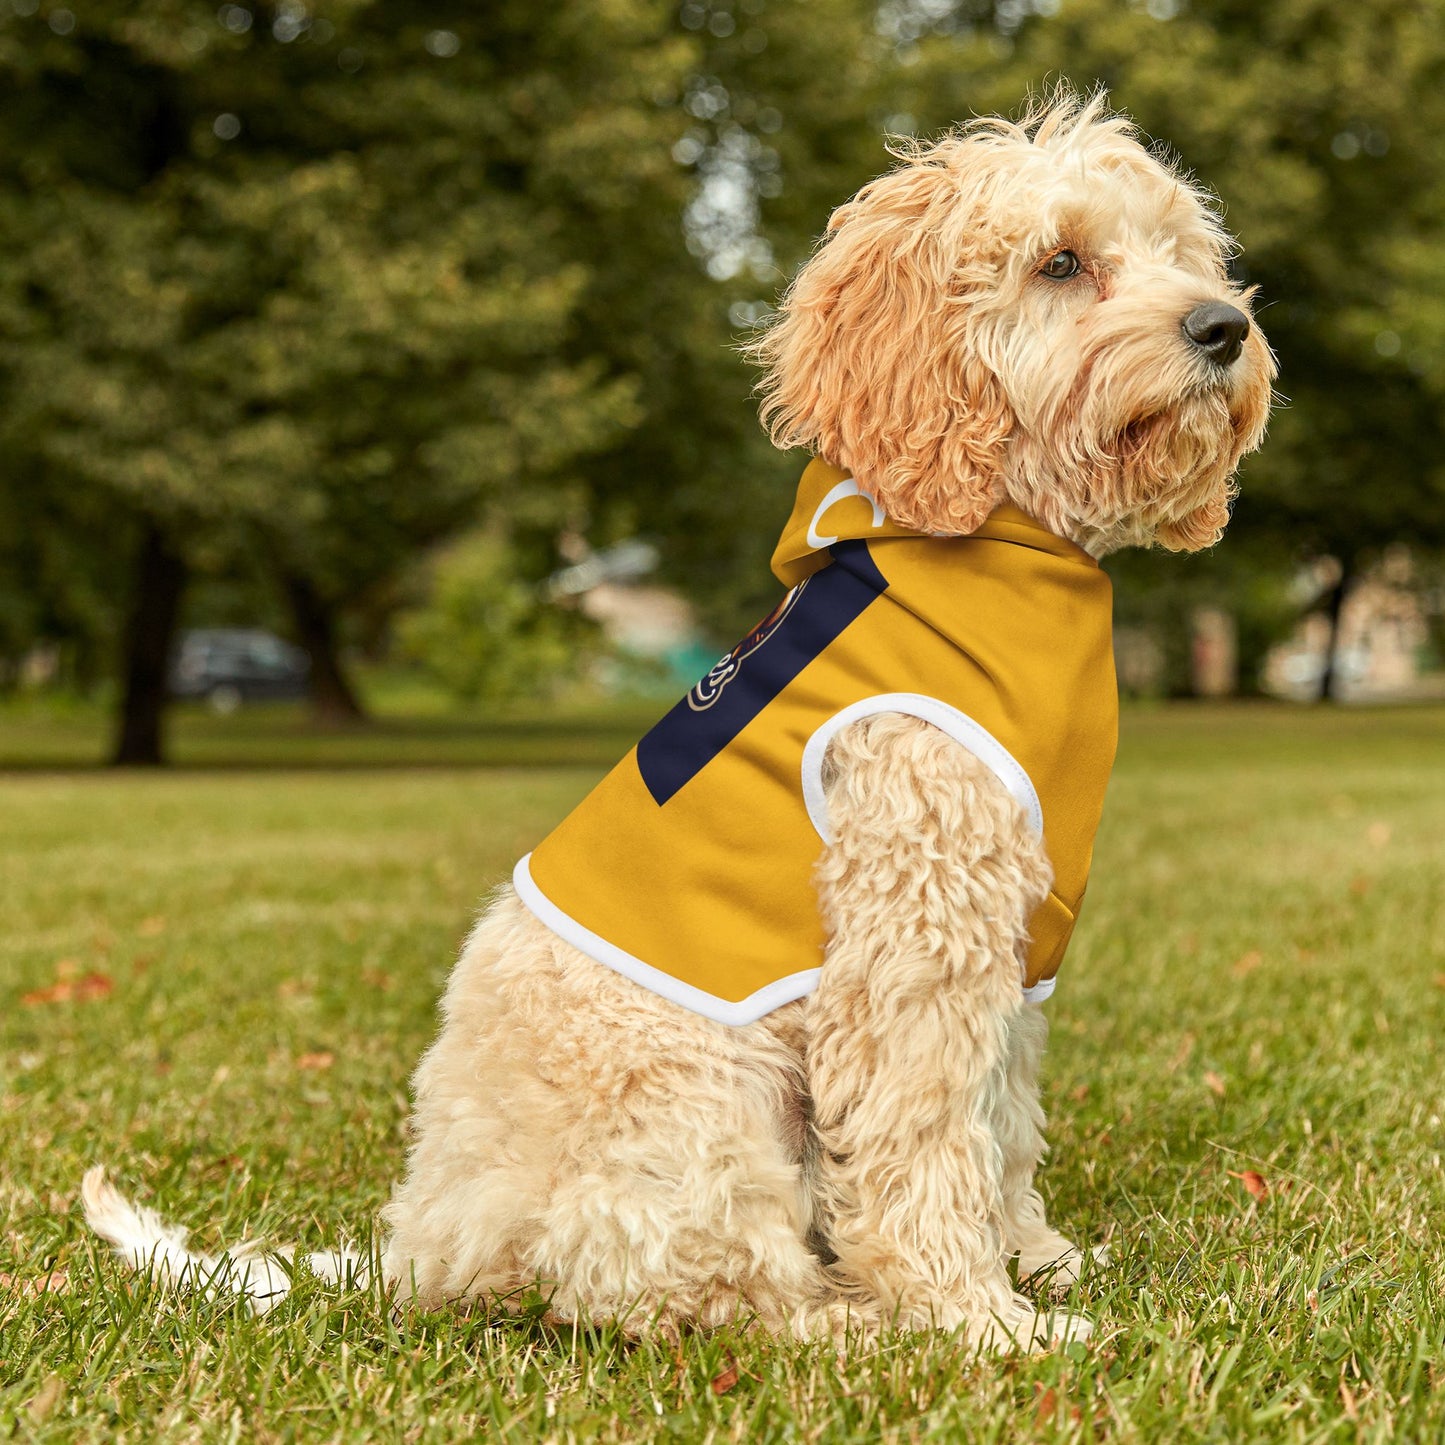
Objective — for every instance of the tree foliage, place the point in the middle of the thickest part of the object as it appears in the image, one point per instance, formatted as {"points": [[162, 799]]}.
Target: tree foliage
{"points": [[307, 290], [323, 287], [482, 631]]}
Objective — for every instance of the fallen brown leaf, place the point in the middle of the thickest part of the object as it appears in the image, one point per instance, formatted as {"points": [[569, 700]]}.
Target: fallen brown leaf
{"points": [[1046, 1407], [66, 990], [723, 1382], [151, 927], [377, 978], [1080, 1094], [1360, 885], [1440, 980], [322, 1059], [1378, 834], [1247, 963], [1214, 1083], [56, 993], [1255, 1184], [56, 1282]]}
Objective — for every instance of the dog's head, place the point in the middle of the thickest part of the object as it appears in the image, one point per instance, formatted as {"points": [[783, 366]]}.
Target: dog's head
{"points": [[1036, 312]]}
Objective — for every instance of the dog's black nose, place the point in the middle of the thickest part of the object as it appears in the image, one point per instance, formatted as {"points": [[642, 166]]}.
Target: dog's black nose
{"points": [[1218, 330]]}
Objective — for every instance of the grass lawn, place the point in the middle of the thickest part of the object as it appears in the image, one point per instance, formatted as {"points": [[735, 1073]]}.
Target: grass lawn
{"points": [[216, 980]]}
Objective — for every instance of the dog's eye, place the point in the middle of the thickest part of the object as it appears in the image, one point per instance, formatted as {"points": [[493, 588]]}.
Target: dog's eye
{"points": [[1060, 266]]}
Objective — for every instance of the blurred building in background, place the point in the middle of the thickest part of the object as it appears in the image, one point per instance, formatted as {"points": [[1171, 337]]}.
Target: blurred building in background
{"points": [[1383, 647], [642, 621]]}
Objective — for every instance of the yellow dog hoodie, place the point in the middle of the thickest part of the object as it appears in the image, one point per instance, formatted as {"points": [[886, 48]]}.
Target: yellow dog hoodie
{"points": [[689, 867]]}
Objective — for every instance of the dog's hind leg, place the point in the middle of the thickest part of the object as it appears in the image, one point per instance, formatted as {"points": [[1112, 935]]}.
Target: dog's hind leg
{"points": [[681, 1198], [578, 1135], [926, 889]]}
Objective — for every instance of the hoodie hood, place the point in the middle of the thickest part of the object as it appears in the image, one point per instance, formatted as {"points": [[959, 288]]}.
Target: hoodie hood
{"points": [[831, 507]]}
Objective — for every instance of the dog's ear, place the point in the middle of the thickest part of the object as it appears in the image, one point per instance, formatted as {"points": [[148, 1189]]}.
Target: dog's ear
{"points": [[874, 362]]}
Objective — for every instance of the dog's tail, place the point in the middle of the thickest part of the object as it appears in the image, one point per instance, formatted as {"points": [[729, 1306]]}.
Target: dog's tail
{"points": [[147, 1243]]}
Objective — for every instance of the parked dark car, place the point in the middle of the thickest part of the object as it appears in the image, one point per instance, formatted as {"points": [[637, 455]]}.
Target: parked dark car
{"points": [[230, 665]]}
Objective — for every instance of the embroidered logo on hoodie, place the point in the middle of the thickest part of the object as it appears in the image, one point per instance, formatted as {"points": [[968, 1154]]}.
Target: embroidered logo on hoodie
{"points": [[814, 614]]}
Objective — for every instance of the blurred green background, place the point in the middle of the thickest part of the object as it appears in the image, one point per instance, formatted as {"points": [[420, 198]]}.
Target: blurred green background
{"points": [[406, 333]]}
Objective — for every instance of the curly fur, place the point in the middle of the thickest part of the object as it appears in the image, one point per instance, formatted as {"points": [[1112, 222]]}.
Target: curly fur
{"points": [[921, 349], [866, 1156]]}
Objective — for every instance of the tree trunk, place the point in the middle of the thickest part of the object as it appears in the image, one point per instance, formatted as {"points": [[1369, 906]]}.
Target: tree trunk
{"points": [[1329, 676], [150, 631], [333, 699]]}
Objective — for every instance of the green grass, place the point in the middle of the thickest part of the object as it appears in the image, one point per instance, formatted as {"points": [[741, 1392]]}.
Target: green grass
{"points": [[1257, 985], [44, 735]]}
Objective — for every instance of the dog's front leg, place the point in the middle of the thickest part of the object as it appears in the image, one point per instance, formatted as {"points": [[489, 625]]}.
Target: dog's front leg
{"points": [[926, 892], [1042, 1251]]}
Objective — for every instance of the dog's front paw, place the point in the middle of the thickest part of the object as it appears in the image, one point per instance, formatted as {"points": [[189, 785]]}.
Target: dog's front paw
{"points": [[1058, 1269], [1058, 1328], [1023, 1326]]}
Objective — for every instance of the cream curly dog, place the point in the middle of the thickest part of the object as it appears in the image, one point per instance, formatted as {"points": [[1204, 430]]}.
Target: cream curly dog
{"points": [[1017, 351]]}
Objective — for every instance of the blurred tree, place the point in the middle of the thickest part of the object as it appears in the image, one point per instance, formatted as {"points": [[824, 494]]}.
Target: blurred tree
{"points": [[309, 282], [58, 570], [783, 108], [484, 633], [327, 284], [1163, 594]]}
